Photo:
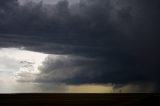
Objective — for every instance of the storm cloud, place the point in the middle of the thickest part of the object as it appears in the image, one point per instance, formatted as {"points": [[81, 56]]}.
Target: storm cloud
{"points": [[106, 41]]}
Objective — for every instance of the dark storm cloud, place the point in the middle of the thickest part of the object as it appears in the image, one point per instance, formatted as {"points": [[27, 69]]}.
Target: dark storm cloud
{"points": [[76, 28], [80, 70], [123, 34]]}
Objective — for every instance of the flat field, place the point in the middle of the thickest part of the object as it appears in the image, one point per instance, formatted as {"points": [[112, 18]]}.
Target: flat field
{"points": [[79, 99]]}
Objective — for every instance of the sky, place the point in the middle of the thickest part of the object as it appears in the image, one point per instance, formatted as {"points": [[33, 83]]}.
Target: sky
{"points": [[79, 46], [47, 1]]}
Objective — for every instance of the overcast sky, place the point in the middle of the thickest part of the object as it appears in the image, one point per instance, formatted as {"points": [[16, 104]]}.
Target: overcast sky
{"points": [[98, 46], [48, 1]]}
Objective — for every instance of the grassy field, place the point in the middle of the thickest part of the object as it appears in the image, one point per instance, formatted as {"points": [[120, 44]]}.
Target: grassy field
{"points": [[78, 99]]}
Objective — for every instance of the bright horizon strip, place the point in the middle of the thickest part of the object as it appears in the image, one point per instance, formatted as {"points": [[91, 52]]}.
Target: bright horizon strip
{"points": [[12, 62]]}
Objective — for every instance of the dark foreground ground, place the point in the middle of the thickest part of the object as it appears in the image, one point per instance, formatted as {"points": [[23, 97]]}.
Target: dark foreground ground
{"points": [[79, 99]]}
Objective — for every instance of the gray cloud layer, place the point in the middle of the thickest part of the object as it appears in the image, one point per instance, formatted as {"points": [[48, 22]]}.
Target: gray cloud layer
{"points": [[120, 36]]}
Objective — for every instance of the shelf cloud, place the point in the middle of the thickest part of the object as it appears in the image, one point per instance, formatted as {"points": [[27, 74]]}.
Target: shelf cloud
{"points": [[98, 41]]}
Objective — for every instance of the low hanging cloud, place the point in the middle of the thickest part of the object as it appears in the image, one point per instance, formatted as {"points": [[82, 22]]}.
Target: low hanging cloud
{"points": [[71, 70], [106, 41], [80, 71]]}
